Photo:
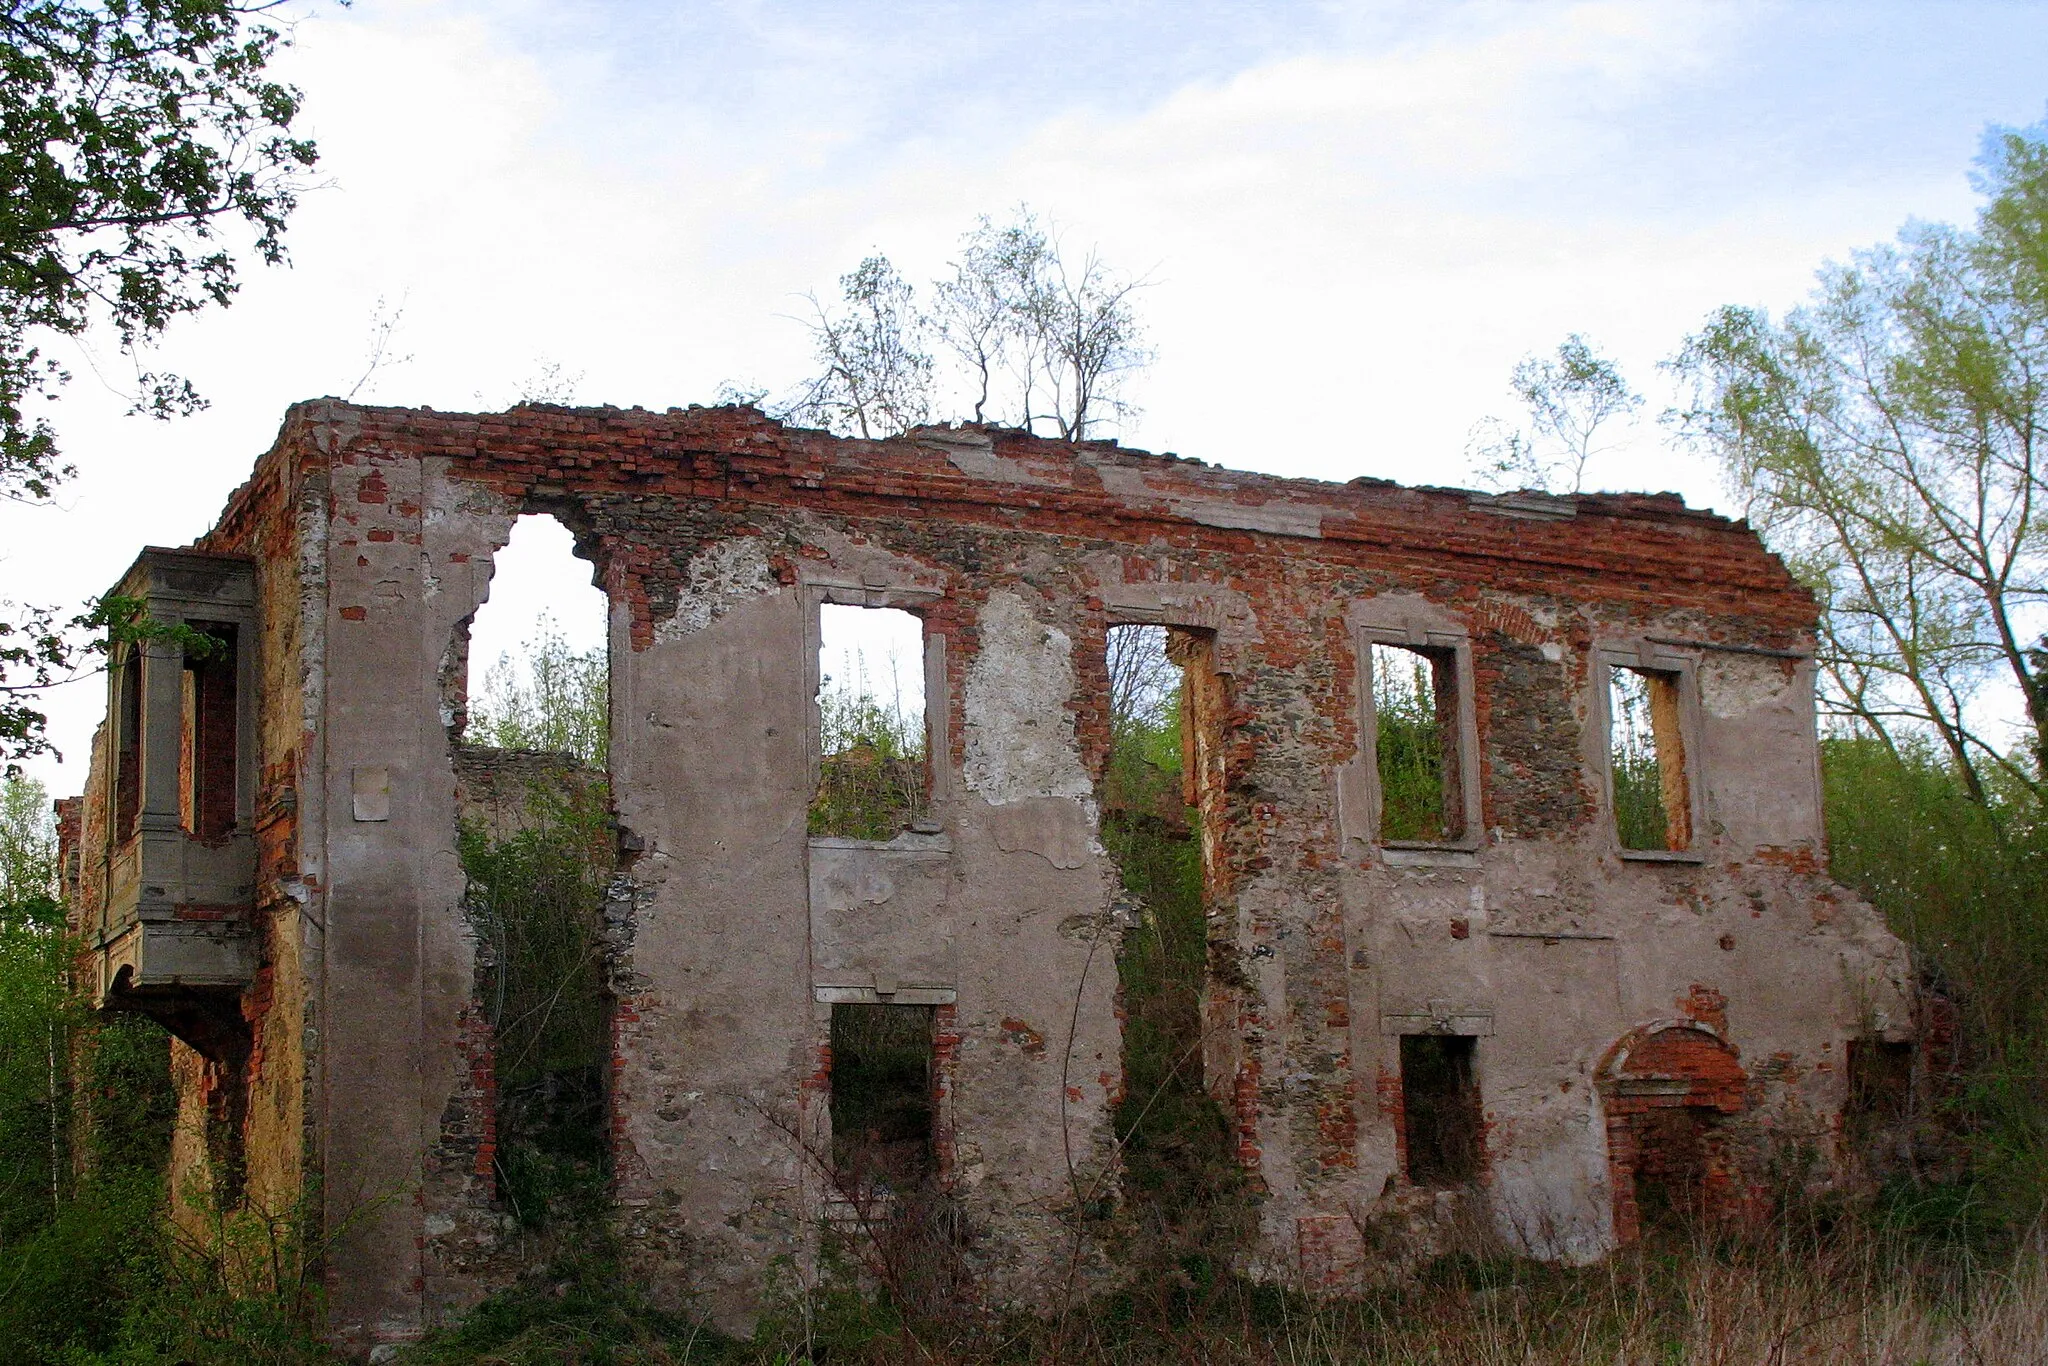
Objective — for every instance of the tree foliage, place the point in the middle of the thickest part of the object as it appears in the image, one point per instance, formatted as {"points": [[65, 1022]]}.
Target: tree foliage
{"points": [[1962, 877], [877, 379], [872, 755], [134, 136], [535, 900], [1020, 334], [1570, 398], [1890, 436], [553, 697]]}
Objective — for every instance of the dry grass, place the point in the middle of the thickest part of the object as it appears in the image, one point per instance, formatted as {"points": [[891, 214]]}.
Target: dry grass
{"points": [[1844, 1297]]}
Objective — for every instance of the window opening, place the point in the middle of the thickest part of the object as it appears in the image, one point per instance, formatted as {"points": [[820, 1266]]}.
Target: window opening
{"points": [[538, 850], [881, 1101], [1440, 1112], [1176, 1141], [872, 753], [1415, 711], [128, 766], [206, 738], [1646, 758]]}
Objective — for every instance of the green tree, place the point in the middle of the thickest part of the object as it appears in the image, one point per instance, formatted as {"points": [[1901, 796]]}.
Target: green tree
{"points": [[1570, 398], [1036, 338], [134, 136], [560, 701], [877, 376], [1890, 436]]}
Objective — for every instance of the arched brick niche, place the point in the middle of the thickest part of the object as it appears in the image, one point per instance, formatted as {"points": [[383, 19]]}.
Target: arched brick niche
{"points": [[1669, 1089]]}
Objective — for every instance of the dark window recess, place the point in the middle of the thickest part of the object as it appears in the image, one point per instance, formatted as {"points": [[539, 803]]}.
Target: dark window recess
{"points": [[1673, 1159], [1415, 713], [206, 749], [128, 753], [1440, 1113], [882, 1094], [1880, 1081], [1646, 757]]}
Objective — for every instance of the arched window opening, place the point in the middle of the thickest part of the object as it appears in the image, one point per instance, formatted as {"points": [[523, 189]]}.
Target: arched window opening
{"points": [[538, 851], [541, 639]]}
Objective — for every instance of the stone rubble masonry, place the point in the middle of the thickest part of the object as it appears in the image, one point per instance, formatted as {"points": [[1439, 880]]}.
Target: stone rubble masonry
{"points": [[716, 533]]}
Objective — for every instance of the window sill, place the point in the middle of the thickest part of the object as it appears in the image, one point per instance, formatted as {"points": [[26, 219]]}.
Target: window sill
{"points": [[909, 842], [1417, 854], [1662, 855]]}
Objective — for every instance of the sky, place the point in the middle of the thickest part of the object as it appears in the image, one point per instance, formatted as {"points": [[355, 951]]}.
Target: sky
{"points": [[1353, 218]]}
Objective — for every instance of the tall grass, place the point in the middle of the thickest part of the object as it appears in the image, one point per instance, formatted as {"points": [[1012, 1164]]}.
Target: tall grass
{"points": [[1966, 884]]}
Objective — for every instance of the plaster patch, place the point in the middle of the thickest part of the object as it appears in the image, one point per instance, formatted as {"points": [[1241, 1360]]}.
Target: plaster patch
{"points": [[1278, 515], [716, 579], [1020, 732], [1061, 833], [1732, 686]]}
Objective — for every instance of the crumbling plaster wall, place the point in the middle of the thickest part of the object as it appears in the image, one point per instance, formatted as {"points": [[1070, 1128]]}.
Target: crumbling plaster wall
{"points": [[743, 922], [405, 1090], [716, 534]]}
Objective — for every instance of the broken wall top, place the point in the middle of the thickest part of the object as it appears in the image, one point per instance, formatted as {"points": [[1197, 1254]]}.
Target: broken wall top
{"points": [[1648, 550]]}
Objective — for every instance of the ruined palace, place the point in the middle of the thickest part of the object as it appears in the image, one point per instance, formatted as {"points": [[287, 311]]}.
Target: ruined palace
{"points": [[1552, 980]]}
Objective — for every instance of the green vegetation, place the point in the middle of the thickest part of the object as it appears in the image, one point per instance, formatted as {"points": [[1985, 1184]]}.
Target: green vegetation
{"points": [[1410, 745], [536, 903], [578, 1305], [871, 766], [560, 701], [1965, 882], [1180, 1170], [91, 1270], [1640, 819]]}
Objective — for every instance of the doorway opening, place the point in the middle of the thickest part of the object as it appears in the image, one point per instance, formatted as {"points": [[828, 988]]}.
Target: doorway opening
{"points": [[1441, 1120]]}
